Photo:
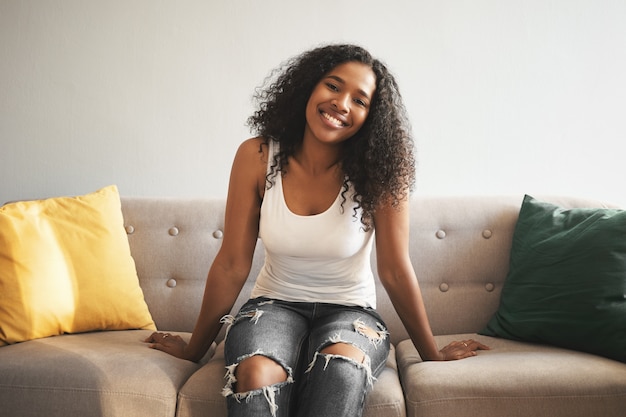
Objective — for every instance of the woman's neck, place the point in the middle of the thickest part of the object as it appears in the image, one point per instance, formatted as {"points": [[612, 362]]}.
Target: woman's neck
{"points": [[317, 158]]}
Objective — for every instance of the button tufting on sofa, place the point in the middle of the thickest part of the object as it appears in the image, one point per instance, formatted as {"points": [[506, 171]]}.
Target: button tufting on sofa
{"points": [[443, 287], [171, 283], [173, 231], [218, 234], [130, 230], [490, 287], [487, 233], [440, 234]]}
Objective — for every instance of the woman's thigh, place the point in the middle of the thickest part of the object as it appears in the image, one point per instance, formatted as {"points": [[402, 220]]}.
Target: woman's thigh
{"points": [[357, 327], [269, 328]]}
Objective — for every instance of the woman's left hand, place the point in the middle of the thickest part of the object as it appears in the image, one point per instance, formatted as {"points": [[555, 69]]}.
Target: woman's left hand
{"points": [[462, 349]]}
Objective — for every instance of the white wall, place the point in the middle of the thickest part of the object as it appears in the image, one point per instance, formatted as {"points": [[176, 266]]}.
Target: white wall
{"points": [[505, 96]]}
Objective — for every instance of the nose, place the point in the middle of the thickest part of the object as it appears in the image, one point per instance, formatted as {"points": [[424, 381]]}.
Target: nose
{"points": [[342, 103]]}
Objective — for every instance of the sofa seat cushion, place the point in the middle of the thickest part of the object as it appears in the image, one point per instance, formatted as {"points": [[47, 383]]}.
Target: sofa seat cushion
{"points": [[202, 394], [109, 374], [512, 379]]}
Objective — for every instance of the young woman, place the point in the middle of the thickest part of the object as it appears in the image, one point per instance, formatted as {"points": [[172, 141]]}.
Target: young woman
{"points": [[333, 162]]}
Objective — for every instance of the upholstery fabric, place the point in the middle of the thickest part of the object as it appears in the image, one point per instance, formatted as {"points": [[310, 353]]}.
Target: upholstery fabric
{"points": [[111, 373], [512, 379]]}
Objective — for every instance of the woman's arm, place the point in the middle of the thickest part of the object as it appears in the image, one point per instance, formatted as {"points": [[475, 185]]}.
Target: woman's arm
{"points": [[398, 277], [233, 261]]}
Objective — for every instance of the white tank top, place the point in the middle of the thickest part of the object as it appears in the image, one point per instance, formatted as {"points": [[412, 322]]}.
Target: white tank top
{"points": [[320, 258]]}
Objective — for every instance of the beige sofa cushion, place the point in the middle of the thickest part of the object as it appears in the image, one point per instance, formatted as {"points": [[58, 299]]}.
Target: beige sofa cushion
{"points": [[512, 379], [202, 394], [92, 374]]}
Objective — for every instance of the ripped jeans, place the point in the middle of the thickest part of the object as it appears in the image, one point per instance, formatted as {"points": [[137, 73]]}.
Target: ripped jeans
{"points": [[293, 335]]}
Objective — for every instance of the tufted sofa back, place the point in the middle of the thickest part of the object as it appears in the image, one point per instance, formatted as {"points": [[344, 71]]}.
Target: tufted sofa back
{"points": [[459, 248]]}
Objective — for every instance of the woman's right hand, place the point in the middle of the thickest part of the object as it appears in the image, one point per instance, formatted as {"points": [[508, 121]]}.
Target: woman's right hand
{"points": [[168, 343]]}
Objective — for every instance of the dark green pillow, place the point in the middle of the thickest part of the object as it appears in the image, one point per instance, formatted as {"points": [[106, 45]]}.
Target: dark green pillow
{"points": [[567, 280]]}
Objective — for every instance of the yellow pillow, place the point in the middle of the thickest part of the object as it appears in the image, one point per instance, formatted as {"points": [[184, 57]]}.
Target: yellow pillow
{"points": [[66, 267]]}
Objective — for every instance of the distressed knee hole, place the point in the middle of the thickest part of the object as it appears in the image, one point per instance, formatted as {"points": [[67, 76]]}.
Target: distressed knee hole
{"points": [[255, 372], [267, 386], [258, 371], [267, 392]]}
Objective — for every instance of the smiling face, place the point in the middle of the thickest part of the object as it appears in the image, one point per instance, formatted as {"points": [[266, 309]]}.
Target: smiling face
{"points": [[340, 103]]}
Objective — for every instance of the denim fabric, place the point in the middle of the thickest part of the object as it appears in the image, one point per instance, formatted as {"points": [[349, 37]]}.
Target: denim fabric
{"points": [[293, 334]]}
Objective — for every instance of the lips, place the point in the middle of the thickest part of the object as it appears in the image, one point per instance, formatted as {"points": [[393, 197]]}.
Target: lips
{"points": [[333, 120]]}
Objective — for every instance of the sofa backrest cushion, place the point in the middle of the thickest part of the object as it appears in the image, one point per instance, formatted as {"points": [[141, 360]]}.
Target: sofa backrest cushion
{"points": [[459, 247]]}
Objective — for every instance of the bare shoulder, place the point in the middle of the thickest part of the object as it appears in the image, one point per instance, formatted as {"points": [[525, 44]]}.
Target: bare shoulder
{"points": [[253, 148], [252, 154], [250, 163]]}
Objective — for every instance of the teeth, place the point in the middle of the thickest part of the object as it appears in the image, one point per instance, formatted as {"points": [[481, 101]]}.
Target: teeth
{"points": [[332, 119]]}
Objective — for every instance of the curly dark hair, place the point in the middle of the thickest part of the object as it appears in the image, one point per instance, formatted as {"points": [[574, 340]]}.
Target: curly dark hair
{"points": [[378, 160]]}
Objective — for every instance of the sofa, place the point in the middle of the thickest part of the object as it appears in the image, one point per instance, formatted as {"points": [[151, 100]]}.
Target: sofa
{"points": [[460, 248]]}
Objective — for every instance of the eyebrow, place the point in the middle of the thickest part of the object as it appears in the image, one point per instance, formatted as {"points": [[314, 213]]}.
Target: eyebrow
{"points": [[341, 80]]}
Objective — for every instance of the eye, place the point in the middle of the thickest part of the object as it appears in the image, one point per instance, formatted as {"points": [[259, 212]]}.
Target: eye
{"points": [[332, 87], [360, 102]]}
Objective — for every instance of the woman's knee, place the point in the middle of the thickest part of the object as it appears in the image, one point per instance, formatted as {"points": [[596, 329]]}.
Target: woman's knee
{"points": [[257, 372]]}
